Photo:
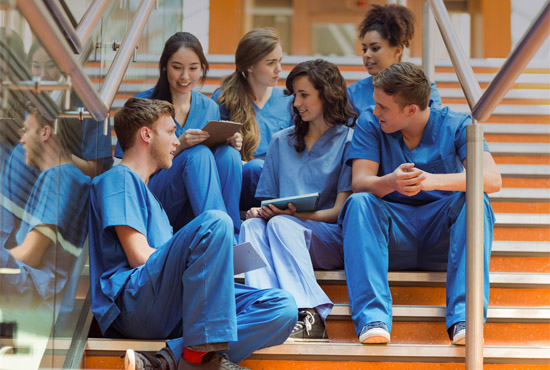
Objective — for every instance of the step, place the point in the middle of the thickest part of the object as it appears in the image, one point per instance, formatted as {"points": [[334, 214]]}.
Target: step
{"points": [[523, 249], [508, 110], [520, 94], [520, 149], [522, 220], [346, 352], [521, 200], [439, 278], [515, 128], [437, 313], [527, 170]]}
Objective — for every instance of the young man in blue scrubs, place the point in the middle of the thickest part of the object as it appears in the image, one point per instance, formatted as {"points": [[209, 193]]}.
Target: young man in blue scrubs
{"points": [[148, 283], [408, 211]]}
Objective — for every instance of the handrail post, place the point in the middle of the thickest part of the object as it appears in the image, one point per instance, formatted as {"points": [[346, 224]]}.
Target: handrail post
{"points": [[474, 247], [428, 26]]}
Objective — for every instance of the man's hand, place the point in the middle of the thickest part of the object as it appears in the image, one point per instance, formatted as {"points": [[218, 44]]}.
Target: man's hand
{"points": [[407, 180], [236, 141]]}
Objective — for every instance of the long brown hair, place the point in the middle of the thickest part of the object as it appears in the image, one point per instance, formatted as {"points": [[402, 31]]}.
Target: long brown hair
{"points": [[331, 86], [237, 94]]}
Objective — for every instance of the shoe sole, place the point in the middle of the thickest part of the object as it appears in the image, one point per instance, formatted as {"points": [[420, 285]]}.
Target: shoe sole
{"points": [[375, 336], [130, 360], [291, 340]]}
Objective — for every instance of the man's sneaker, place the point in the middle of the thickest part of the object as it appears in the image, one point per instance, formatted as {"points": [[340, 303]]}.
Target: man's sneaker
{"points": [[310, 327], [374, 332], [457, 333], [162, 360], [211, 361]]}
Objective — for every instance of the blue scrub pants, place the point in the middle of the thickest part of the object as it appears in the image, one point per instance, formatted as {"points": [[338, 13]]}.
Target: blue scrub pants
{"points": [[251, 175], [192, 185], [292, 248], [186, 290], [380, 236]]}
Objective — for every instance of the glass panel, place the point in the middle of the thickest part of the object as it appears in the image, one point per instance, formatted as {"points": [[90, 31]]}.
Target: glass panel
{"points": [[334, 39], [276, 14]]}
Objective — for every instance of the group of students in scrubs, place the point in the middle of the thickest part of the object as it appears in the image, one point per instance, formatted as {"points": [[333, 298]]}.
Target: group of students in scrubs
{"points": [[385, 157]]}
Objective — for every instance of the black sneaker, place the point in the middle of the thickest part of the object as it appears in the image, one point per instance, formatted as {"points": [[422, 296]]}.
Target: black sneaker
{"points": [[162, 360], [457, 333], [375, 332], [211, 361], [310, 327]]}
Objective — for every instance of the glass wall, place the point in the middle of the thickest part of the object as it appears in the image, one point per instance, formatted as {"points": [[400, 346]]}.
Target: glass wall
{"points": [[50, 149]]}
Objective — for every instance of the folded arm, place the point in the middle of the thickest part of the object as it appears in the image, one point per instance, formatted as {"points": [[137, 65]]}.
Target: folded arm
{"points": [[135, 245]]}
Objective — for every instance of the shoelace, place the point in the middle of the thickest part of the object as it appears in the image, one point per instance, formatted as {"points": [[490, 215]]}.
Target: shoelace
{"points": [[309, 320], [228, 365]]}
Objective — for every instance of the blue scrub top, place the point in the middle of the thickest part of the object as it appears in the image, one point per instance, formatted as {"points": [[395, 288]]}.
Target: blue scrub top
{"points": [[201, 111], [442, 149], [287, 172], [272, 118], [361, 92], [119, 197], [59, 198]]}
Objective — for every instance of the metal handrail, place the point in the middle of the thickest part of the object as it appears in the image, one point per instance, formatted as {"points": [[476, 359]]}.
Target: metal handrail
{"points": [[464, 71], [90, 19], [57, 11], [514, 65], [45, 29], [122, 59]]}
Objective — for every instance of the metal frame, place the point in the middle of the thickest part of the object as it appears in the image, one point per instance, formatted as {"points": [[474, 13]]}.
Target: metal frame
{"points": [[482, 106]]}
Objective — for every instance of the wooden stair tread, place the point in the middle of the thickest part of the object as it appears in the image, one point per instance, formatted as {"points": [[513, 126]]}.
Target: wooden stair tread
{"points": [[524, 170], [348, 351], [516, 128], [437, 313], [537, 149], [534, 194]]}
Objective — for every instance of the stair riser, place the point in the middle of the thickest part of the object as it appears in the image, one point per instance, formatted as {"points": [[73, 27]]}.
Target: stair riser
{"points": [[525, 182], [519, 334], [494, 138], [521, 159], [520, 206], [521, 234]]}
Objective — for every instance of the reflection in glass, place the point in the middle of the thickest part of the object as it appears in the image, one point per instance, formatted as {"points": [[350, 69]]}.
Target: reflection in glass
{"points": [[45, 201]]}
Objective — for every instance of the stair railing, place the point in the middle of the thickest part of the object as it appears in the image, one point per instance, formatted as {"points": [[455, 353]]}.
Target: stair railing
{"points": [[481, 106]]}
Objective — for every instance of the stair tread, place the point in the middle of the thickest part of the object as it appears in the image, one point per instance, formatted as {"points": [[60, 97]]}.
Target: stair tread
{"points": [[432, 312], [516, 128], [535, 170], [347, 351], [522, 219], [532, 194], [540, 149]]}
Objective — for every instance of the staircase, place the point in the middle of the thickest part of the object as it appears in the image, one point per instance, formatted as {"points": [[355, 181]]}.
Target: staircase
{"points": [[517, 333]]}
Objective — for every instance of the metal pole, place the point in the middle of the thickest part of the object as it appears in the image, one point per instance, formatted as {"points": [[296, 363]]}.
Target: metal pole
{"points": [[474, 247], [90, 20], [44, 27], [428, 27], [514, 65], [461, 64], [125, 53]]}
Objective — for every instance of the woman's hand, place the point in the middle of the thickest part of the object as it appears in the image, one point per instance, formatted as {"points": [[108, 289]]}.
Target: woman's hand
{"points": [[253, 212], [236, 141], [266, 212], [193, 137]]}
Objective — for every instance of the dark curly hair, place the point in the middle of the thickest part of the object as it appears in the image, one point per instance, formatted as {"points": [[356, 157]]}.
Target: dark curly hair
{"points": [[395, 23], [331, 86]]}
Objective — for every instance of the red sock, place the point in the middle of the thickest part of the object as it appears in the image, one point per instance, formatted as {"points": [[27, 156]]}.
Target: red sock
{"points": [[194, 357]]}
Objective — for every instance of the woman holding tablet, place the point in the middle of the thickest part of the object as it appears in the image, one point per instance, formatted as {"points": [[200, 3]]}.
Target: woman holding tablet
{"points": [[307, 158], [384, 33], [248, 95], [200, 179]]}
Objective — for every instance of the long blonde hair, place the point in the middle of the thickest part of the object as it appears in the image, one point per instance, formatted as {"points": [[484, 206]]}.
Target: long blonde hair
{"points": [[237, 95]]}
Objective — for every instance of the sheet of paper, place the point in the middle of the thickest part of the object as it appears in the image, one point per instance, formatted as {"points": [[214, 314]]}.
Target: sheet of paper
{"points": [[245, 258]]}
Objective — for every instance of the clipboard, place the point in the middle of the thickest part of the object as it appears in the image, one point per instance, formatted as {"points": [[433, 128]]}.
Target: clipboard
{"points": [[303, 203], [245, 258], [219, 132]]}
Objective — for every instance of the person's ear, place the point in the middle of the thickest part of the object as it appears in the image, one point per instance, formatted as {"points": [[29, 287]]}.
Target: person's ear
{"points": [[398, 53], [46, 133], [145, 134], [412, 109]]}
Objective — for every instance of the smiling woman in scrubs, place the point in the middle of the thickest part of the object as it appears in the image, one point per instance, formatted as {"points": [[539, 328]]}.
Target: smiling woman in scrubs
{"points": [[306, 158], [200, 179], [384, 33]]}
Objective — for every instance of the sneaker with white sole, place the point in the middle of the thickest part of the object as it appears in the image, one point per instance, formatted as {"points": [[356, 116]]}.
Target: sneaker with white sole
{"points": [[458, 336], [375, 332]]}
